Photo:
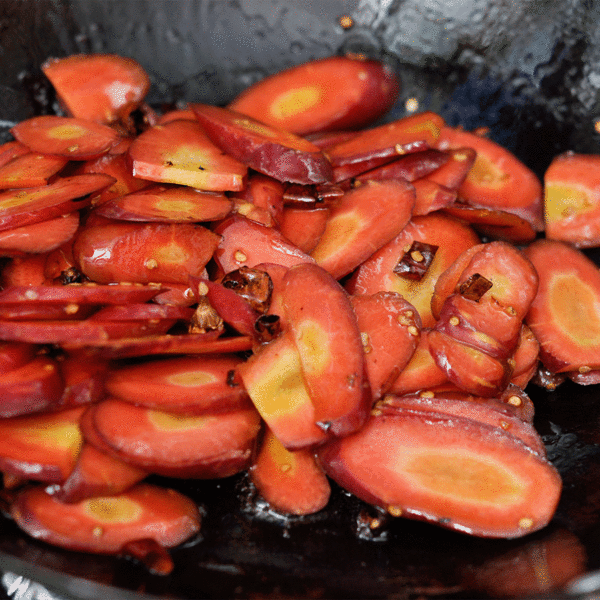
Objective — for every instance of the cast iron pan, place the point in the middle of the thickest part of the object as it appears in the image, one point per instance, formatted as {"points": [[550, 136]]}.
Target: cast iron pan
{"points": [[530, 71]]}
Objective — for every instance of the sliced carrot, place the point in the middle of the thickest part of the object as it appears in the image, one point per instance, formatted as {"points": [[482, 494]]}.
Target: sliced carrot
{"points": [[365, 219], [377, 273], [322, 332], [83, 379], [497, 179], [291, 481], [105, 524], [572, 199], [265, 192], [32, 205], [455, 170], [44, 311], [181, 152], [174, 445], [97, 474], [143, 252], [454, 472], [338, 92], [143, 311], [525, 357], [186, 385], [22, 271], [177, 204], [411, 166], [563, 316], [11, 150], [269, 150], [431, 196], [409, 134], [41, 237], [245, 243], [98, 87], [41, 447], [176, 114], [390, 328], [75, 139], [304, 226], [15, 354], [30, 170]]}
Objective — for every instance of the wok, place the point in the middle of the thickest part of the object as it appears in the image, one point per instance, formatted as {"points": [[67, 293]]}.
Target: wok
{"points": [[529, 70]]}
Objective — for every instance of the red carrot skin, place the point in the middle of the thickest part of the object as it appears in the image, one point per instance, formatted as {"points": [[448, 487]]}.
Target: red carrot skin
{"points": [[30, 170], [173, 445], [563, 316], [266, 149], [451, 471], [245, 243], [41, 447], [105, 524], [291, 481], [365, 219], [74, 139], [525, 357], [455, 170], [99, 87], [431, 196], [572, 199], [338, 92], [390, 330], [143, 311], [409, 134], [497, 180], [178, 114], [83, 378], [11, 150], [24, 271], [15, 354], [192, 385], [304, 226], [265, 192], [180, 152], [29, 311], [377, 273], [143, 252]]}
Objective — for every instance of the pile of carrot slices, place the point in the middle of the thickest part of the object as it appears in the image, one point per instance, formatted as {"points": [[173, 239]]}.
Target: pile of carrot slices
{"points": [[288, 287]]}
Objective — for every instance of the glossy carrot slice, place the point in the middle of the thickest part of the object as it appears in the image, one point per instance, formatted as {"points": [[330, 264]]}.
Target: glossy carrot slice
{"points": [[455, 170], [390, 328], [409, 134], [15, 354], [245, 243], [266, 149], [30, 170], [41, 447], [26, 270], [525, 357], [97, 474], [497, 179], [365, 219], [41, 237], [572, 199], [415, 165], [75, 139], [83, 378], [291, 481], [563, 316], [177, 204], [377, 273], [143, 252], [304, 226], [323, 331], [431, 196], [180, 152], [186, 385], [98, 87], [11, 150], [174, 445], [265, 192], [104, 525], [338, 92], [32, 205], [454, 472]]}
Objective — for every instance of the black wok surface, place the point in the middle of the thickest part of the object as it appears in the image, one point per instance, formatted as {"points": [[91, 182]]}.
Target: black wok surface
{"points": [[528, 70]]}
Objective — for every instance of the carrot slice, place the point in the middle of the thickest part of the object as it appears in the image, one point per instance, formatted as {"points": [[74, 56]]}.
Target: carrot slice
{"points": [[83, 378], [291, 481], [41, 447], [181, 152], [390, 329], [365, 219], [32, 205], [75, 139], [11, 150], [269, 150], [455, 170], [30, 170], [25, 270], [338, 92], [98, 87], [174, 445], [143, 252], [410, 167], [409, 134], [377, 273], [304, 226], [431, 196], [525, 358], [563, 316], [15, 354], [186, 385], [572, 199], [104, 525], [454, 472], [322, 332], [266, 193], [497, 179]]}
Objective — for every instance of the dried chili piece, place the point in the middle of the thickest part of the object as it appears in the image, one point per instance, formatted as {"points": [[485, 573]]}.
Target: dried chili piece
{"points": [[416, 261]]}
